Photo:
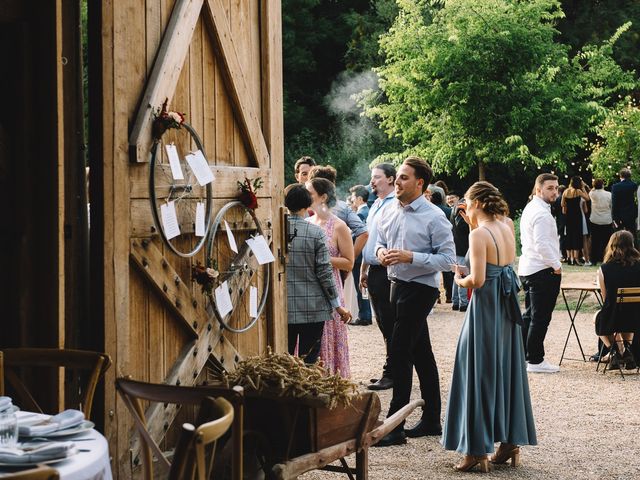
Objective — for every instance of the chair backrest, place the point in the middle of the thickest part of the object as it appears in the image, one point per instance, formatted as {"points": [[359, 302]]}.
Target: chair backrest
{"points": [[80, 364], [39, 473], [628, 295], [133, 392], [195, 454]]}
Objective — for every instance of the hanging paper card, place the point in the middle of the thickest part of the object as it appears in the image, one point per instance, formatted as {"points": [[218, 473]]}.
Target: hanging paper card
{"points": [[200, 167], [174, 162], [199, 219], [253, 302], [260, 249], [169, 220], [223, 300], [232, 240]]}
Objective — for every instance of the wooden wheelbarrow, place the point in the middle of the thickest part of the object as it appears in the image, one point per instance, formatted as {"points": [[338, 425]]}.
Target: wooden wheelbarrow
{"points": [[303, 434]]}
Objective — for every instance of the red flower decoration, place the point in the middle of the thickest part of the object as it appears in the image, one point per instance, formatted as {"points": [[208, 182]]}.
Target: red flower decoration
{"points": [[248, 191], [164, 120]]}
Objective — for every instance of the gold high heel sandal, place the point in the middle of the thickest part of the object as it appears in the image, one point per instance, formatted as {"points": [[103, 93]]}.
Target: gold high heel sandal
{"points": [[470, 461], [505, 454]]}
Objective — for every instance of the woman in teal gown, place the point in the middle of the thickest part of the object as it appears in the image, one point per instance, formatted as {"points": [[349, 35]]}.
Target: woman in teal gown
{"points": [[489, 397]]}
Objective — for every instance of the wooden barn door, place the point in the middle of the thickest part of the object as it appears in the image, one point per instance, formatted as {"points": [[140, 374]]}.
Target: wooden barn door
{"points": [[219, 61]]}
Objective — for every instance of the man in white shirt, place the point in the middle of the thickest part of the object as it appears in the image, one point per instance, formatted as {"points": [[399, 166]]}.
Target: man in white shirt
{"points": [[540, 270]]}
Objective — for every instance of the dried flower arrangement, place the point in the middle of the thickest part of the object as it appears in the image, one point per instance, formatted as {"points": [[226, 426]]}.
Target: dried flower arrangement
{"points": [[248, 191], [205, 277], [164, 120]]}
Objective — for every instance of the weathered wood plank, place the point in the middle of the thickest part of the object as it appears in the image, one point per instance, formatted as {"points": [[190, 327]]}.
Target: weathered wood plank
{"points": [[273, 126], [166, 71], [235, 80]]}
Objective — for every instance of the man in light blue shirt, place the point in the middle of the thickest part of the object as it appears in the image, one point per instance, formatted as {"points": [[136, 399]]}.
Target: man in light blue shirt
{"points": [[415, 243]]}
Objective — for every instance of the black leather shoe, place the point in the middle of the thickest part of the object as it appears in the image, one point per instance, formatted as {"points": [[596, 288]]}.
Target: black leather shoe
{"points": [[397, 437], [383, 384], [463, 309], [455, 307], [421, 429], [360, 322]]}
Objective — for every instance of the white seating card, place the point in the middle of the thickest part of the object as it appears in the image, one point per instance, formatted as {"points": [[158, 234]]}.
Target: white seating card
{"points": [[174, 162], [253, 302], [199, 219], [200, 167], [232, 240], [223, 299], [260, 249], [169, 220]]}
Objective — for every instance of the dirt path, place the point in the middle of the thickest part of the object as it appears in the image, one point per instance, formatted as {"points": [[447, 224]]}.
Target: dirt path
{"points": [[587, 423]]}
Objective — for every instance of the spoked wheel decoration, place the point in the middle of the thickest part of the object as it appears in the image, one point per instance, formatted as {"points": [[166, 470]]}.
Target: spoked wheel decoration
{"points": [[167, 189], [241, 270]]}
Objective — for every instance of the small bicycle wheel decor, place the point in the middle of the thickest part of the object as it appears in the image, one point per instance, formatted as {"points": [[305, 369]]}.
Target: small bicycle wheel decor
{"points": [[239, 283], [180, 185]]}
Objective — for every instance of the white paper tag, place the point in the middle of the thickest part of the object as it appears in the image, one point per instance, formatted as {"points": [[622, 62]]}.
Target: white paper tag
{"points": [[200, 167], [253, 302], [174, 162], [169, 220], [260, 249], [223, 300], [199, 219], [232, 240]]}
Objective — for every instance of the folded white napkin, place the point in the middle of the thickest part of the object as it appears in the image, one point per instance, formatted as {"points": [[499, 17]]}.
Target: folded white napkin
{"points": [[38, 453], [5, 402], [66, 419]]}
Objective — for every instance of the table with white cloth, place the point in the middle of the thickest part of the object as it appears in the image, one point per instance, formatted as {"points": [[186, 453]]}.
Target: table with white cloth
{"points": [[90, 463]]}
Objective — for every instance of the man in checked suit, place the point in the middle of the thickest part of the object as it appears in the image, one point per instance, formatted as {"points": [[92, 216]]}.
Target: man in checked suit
{"points": [[311, 289]]}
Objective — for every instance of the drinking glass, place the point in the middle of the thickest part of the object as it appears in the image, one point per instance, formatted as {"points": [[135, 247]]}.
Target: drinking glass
{"points": [[8, 429]]}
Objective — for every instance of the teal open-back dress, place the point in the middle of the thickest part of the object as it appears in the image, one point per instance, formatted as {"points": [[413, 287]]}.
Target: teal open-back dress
{"points": [[489, 398]]}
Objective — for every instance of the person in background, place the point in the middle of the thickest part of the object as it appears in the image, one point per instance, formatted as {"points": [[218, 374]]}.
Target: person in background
{"points": [[572, 207], [334, 348], [342, 210], [447, 277], [623, 206], [561, 222], [489, 397], [302, 168], [373, 275], [359, 197], [621, 268], [311, 288], [461, 239], [540, 270], [453, 199], [601, 220], [416, 244], [433, 188], [585, 207]]}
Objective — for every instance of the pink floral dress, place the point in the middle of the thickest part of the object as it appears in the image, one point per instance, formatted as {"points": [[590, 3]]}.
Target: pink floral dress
{"points": [[334, 348]]}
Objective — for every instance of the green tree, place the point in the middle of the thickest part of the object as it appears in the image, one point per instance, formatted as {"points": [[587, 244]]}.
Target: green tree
{"points": [[477, 82], [618, 145]]}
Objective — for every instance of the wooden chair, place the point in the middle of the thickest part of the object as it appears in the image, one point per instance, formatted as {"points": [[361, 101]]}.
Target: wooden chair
{"points": [[195, 454], [134, 392], [78, 363], [624, 297], [40, 473]]}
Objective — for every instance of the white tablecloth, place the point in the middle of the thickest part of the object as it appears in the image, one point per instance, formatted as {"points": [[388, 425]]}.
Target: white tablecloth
{"points": [[90, 463]]}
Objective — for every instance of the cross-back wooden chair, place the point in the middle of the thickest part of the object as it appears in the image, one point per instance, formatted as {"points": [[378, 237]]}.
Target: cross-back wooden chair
{"points": [[40, 473], [195, 453], [79, 364], [625, 296], [133, 392]]}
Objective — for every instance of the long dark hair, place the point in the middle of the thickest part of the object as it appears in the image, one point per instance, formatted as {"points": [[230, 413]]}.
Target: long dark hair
{"points": [[620, 249]]}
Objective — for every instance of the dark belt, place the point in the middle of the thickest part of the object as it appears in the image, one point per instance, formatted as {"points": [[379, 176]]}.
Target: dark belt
{"points": [[377, 267]]}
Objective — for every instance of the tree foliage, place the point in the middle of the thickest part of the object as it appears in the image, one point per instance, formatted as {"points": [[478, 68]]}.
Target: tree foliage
{"points": [[483, 81], [618, 145]]}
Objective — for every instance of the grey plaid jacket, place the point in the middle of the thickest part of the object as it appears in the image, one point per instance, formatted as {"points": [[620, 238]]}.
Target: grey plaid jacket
{"points": [[311, 289]]}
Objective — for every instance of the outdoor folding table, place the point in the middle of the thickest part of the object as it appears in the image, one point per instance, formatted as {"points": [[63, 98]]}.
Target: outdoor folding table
{"points": [[584, 289]]}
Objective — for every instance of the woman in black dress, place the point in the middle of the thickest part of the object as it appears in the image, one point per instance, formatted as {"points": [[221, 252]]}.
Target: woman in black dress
{"points": [[572, 208], [621, 268]]}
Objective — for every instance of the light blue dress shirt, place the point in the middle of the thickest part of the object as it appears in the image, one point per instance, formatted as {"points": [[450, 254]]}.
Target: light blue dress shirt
{"points": [[422, 228], [375, 212]]}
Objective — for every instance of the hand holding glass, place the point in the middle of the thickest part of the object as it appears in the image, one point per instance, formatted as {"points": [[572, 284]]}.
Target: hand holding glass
{"points": [[461, 270]]}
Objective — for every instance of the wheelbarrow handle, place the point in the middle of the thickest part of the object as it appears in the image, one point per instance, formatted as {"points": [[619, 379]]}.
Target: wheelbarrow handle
{"points": [[392, 422]]}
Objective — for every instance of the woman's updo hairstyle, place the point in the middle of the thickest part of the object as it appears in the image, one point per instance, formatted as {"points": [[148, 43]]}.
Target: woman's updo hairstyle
{"points": [[323, 186], [490, 198]]}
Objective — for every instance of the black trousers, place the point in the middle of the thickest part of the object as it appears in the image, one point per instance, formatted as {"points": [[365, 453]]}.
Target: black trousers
{"points": [[364, 308], [447, 282], [310, 335], [411, 346], [541, 291], [379, 295], [600, 235]]}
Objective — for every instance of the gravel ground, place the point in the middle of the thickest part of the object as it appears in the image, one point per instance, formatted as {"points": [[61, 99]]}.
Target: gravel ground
{"points": [[587, 423]]}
